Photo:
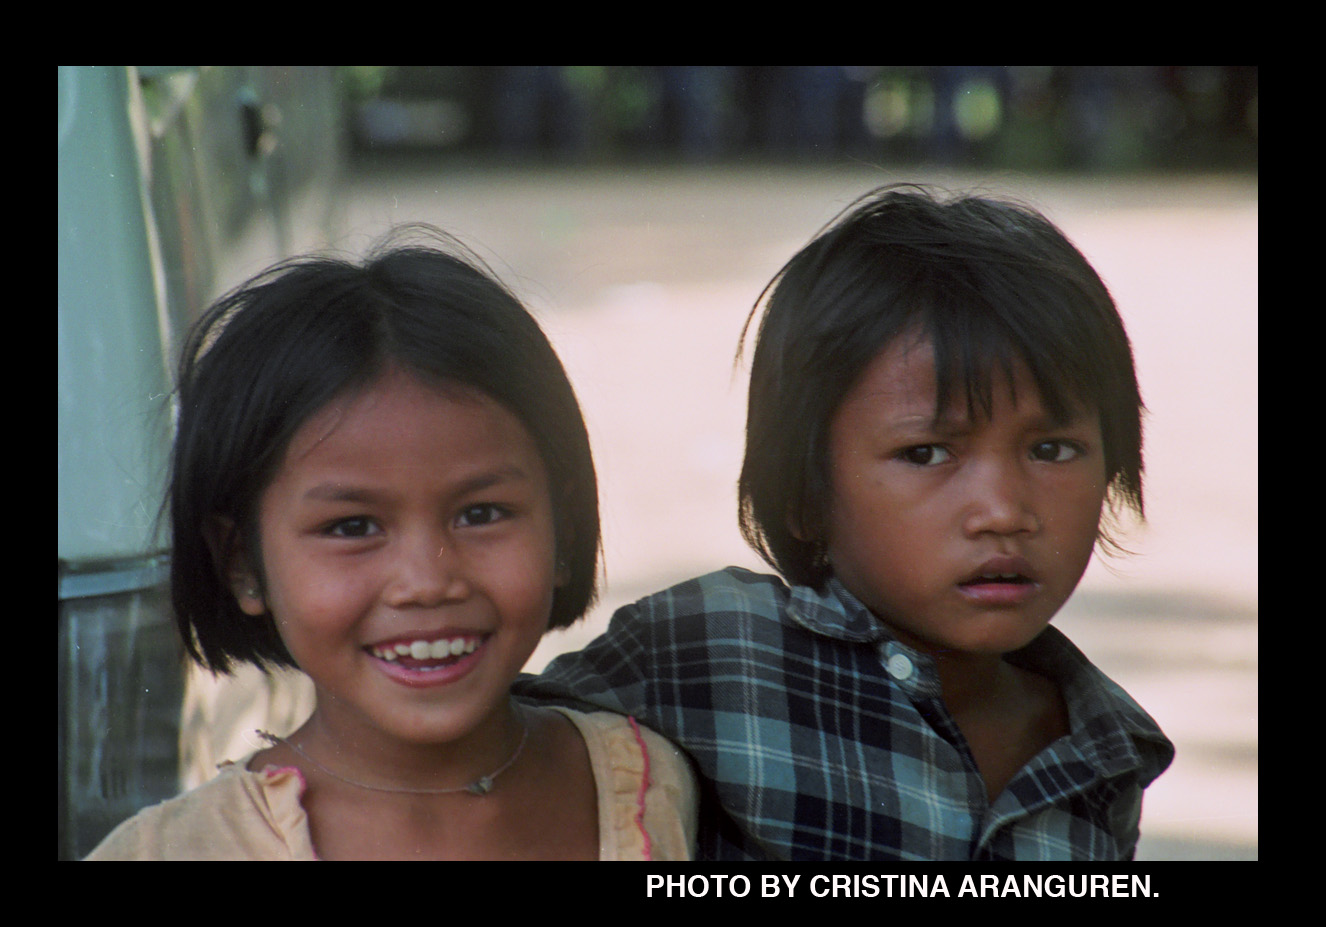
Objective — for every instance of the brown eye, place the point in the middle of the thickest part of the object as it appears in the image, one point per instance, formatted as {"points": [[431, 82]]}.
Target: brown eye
{"points": [[358, 527], [484, 513], [1055, 451], [925, 455]]}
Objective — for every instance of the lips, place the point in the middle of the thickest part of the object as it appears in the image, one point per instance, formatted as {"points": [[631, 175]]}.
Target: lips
{"points": [[987, 578], [1001, 570], [1000, 582], [428, 662]]}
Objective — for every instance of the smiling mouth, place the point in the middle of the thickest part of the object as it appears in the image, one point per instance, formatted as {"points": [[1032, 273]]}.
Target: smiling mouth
{"points": [[426, 654]]}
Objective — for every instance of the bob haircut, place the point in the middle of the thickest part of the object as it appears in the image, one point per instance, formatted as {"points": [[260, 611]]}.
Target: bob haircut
{"points": [[989, 283], [270, 354]]}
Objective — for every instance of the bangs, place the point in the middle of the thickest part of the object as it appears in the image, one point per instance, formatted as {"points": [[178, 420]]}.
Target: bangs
{"points": [[983, 324], [972, 361]]}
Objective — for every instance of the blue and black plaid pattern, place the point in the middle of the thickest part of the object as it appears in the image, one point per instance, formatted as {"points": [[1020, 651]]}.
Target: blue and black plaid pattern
{"points": [[818, 736]]}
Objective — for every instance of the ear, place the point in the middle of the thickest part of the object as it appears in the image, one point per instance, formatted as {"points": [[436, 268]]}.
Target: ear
{"points": [[227, 546]]}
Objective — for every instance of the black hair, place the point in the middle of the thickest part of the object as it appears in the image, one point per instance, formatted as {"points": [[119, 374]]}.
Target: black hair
{"points": [[267, 356], [990, 283]]}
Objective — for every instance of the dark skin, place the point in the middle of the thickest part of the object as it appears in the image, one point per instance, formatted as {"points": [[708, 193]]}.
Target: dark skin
{"points": [[528, 814], [1006, 714], [405, 514], [965, 530]]}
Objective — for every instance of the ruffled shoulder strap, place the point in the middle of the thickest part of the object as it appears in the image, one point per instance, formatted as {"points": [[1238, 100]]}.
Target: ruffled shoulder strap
{"points": [[237, 815], [646, 791]]}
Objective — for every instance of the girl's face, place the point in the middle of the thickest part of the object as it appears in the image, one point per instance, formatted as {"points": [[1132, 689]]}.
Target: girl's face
{"points": [[408, 556], [968, 534]]}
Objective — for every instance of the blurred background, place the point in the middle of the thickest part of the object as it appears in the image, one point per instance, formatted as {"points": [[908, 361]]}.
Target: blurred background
{"points": [[639, 211]]}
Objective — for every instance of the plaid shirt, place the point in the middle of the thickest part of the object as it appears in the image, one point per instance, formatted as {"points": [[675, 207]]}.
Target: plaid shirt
{"points": [[818, 736]]}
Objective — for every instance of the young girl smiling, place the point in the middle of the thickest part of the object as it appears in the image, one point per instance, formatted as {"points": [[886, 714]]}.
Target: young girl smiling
{"points": [[382, 477]]}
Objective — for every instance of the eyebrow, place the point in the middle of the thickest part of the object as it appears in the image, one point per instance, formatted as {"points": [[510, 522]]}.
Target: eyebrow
{"points": [[959, 423], [952, 422], [342, 492]]}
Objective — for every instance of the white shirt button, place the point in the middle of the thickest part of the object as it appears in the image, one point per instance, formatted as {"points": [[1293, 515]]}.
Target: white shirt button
{"points": [[899, 666]]}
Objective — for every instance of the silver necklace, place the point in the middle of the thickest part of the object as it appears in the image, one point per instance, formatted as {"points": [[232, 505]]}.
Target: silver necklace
{"points": [[481, 786]]}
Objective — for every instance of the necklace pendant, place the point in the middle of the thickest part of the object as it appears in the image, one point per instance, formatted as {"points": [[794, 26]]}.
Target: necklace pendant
{"points": [[481, 786]]}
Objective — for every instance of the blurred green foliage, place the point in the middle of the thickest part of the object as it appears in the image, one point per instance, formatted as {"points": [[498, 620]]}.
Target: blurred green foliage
{"points": [[1080, 117]]}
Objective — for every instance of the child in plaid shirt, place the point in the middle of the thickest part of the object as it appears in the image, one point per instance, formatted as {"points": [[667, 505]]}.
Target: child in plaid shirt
{"points": [[943, 417]]}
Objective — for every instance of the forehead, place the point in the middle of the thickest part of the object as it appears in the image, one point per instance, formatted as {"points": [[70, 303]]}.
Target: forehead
{"points": [[400, 421], [902, 372], [905, 380]]}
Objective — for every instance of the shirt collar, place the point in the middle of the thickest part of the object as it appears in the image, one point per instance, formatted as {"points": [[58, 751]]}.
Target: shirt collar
{"points": [[1123, 736], [834, 612]]}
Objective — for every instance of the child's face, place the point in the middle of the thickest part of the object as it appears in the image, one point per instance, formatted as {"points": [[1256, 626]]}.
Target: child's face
{"points": [[967, 535], [406, 519]]}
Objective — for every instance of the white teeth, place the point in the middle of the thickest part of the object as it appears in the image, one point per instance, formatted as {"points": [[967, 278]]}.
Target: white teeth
{"points": [[428, 650]]}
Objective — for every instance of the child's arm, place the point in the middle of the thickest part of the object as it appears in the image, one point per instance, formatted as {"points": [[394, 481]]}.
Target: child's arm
{"points": [[611, 673]]}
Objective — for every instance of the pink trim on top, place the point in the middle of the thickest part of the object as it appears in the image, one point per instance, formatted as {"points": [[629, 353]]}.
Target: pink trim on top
{"points": [[644, 787], [272, 769]]}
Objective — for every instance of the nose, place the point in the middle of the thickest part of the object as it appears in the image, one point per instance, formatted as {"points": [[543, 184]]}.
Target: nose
{"points": [[1000, 500], [426, 573]]}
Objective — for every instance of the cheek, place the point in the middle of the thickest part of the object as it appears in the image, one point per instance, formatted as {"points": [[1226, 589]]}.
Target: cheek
{"points": [[1083, 507], [305, 596], [520, 576], [876, 508], [530, 594], [873, 533], [1075, 529]]}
